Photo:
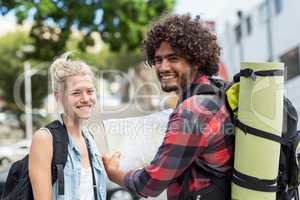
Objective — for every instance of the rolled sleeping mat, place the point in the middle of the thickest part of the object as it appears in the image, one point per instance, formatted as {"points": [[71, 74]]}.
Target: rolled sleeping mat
{"points": [[258, 127]]}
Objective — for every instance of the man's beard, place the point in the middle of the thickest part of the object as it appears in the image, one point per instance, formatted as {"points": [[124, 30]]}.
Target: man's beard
{"points": [[172, 88], [181, 85]]}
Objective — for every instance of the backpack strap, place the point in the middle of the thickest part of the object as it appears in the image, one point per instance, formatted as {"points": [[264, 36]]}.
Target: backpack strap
{"points": [[221, 185], [92, 168], [60, 153]]}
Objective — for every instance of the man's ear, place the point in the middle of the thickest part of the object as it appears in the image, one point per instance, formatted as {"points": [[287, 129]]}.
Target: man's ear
{"points": [[195, 68], [194, 71]]}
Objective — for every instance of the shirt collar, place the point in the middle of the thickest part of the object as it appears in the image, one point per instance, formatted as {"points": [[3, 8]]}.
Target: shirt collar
{"points": [[198, 80]]}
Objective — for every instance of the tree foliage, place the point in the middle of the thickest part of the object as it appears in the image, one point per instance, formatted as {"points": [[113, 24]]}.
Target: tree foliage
{"points": [[121, 23], [103, 58], [12, 47]]}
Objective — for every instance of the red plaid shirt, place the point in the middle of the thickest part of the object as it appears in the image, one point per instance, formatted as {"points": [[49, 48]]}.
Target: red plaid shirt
{"points": [[195, 133]]}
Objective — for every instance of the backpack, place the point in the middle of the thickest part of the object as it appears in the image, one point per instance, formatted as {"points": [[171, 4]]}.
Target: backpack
{"points": [[288, 173], [18, 186], [288, 178]]}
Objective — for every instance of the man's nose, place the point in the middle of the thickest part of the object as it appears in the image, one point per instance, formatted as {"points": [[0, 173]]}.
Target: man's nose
{"points": [[165, 65]]}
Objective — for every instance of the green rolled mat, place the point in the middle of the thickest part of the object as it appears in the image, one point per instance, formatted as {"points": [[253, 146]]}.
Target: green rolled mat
{"points": [[261, 107]]}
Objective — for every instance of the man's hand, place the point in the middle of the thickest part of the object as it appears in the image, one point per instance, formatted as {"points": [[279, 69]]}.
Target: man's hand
{"points": [[113, 171]]}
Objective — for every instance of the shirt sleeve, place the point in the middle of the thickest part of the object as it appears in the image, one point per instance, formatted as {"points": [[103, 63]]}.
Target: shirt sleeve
{"points": [[182, 143]]}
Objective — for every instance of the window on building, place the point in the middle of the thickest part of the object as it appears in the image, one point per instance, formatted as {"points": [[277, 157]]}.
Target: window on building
{"points": [[263, 12], [211, 25], [292, 62], [249, 25], [238, 33], [278, 6]]}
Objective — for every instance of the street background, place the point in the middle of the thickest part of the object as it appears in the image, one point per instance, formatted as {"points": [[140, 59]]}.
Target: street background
{"points": [[107, 35]]}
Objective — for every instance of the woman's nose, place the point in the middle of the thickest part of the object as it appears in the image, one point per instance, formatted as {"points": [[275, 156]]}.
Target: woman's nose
{"points": [[84, 97]]}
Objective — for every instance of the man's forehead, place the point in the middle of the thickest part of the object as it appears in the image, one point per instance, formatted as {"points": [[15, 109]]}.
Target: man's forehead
{"points": [[164, 49]]}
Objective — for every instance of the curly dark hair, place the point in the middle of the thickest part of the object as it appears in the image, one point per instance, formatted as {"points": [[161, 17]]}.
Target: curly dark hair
{"points": [[189, 38]]}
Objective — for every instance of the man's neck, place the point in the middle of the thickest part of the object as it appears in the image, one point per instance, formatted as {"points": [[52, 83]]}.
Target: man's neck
{"points": [[186, 91], [184, 88]]}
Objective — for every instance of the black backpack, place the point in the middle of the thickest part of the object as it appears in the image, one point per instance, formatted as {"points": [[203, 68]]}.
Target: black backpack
{"points": [[18, 186], [288, 178]]}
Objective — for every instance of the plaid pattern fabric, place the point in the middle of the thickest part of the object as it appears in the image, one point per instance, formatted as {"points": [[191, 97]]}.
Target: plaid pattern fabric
{"points": [[195, 133]]}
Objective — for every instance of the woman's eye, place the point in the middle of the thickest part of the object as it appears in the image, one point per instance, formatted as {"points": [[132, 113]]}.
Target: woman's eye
{"points": [[91, 92]]}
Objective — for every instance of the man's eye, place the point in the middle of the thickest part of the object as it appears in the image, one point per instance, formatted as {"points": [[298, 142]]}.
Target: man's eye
{"points": [[157, 61], [75, 93], [173, 58]]}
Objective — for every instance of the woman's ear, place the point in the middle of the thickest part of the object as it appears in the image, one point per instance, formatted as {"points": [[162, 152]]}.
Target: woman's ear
{"points": [[57, 96], [59, 101]]}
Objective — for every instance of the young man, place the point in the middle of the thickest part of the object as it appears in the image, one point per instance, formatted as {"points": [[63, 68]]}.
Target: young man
{"points": [[196, 154]]}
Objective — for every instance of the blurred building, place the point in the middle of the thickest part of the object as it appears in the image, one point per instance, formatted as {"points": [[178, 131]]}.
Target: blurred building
{"points": [[269, 31]]}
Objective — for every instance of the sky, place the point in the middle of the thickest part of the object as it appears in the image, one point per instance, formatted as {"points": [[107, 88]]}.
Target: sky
{"points": [[206, 8], [218, 10], [6, 24]]}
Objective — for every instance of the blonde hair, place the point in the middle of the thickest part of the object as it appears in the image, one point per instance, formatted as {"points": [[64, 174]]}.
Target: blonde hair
{"points": [[62, 67]]}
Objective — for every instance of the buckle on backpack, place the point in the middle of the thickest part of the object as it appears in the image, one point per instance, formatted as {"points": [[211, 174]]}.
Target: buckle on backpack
{"points": [[253, 76], [286, 188], [249, 73]]}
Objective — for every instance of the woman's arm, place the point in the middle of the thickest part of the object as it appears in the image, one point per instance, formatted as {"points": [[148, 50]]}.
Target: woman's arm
{"points": [[40, 158]]}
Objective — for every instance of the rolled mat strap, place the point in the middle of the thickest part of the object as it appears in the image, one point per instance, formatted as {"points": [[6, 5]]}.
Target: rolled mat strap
{"points": [[252, 179], [250, 73], [275, 72], [253, 183], [253, 131], [251, 186]]}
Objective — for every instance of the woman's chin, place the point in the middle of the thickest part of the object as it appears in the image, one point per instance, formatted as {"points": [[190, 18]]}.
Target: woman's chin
{"points": [[84, 116]]}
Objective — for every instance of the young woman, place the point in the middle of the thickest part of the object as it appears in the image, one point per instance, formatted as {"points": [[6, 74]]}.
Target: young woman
{"points": [[74, 90]]}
